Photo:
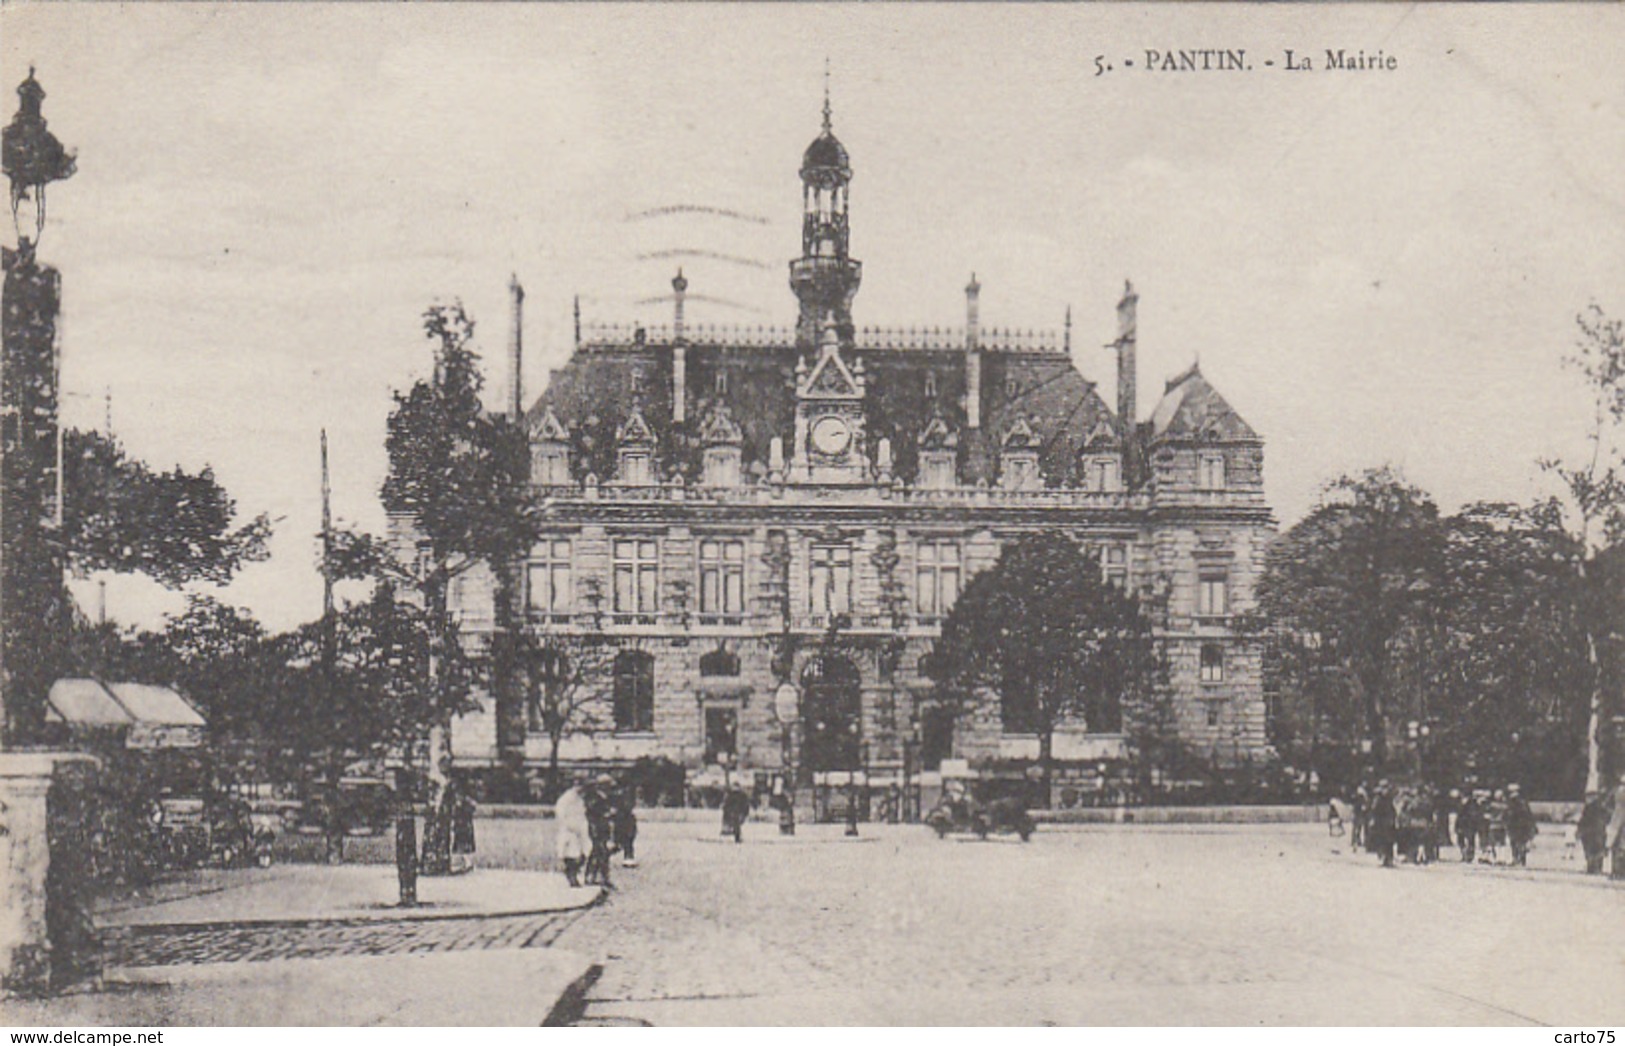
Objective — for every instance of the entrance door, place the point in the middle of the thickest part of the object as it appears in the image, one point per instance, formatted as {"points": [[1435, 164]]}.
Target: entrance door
{"points": [[721, 734], [936, 736], [834, 703]]}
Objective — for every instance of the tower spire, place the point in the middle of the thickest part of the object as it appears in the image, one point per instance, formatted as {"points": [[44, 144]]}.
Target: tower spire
{"points": [[826, 95]]}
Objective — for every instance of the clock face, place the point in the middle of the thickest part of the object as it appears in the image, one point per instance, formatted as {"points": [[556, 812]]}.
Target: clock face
{"points": [[830, 435]]}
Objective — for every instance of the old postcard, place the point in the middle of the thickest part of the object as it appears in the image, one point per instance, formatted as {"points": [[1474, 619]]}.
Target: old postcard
{"points": [[811, 515]]}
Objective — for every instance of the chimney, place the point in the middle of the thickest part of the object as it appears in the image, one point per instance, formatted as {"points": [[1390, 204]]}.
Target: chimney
{"points": [[679, 352], [973, 354], [1127, 404], [516, 350]]}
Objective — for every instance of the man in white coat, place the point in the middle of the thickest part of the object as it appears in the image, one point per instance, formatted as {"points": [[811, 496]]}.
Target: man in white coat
{"points": [[573, 842]]}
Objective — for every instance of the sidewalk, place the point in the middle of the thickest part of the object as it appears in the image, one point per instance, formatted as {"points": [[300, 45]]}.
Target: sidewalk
{"points": [[341, 893], [513, 988], [329, 947]]}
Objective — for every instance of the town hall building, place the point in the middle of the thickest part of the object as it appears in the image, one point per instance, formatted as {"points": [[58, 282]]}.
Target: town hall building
{"points": [[718, 498]]}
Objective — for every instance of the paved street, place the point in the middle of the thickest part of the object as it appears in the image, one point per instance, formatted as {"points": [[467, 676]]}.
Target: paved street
{"points": [[164, 945], [1112, 925]]}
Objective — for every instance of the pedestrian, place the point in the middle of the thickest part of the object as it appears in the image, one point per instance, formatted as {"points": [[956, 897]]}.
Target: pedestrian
{"points": [[1382, 829], [784, 802], [1467, 828], [463, 809], [1593, 830], [735, 810], [600, 829], [1521, 827], [573, 841], [1442, 812], [1334, 816], [626, 826], [1362, 806], [1492, 824], [1616, 832]]}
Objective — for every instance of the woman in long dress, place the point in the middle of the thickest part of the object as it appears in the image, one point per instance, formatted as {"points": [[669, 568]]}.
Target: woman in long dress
{"points": [[574, 841]]}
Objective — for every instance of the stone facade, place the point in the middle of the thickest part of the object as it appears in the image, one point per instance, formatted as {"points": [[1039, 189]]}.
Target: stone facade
{"points": [[717, 496]]}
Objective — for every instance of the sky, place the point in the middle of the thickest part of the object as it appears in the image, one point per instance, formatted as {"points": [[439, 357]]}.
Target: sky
{"points": [[1373, 267]]}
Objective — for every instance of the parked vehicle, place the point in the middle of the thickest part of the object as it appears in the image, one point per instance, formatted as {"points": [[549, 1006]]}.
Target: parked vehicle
{"points": [[964, 813]]}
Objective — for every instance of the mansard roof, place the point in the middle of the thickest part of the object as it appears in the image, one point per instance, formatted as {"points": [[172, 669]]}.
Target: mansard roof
{"points": [[909, 381], [1191, 409]]}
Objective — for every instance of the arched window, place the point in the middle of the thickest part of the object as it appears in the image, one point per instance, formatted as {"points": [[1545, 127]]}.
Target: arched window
{"points": [[719, 662], [634, 692]]}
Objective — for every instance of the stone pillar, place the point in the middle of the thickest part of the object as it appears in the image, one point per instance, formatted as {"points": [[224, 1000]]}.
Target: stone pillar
{"points": [[25, 946]]}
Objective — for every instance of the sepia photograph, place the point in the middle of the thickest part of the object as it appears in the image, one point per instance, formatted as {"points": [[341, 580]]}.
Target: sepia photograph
{"points": [[698, 515]]}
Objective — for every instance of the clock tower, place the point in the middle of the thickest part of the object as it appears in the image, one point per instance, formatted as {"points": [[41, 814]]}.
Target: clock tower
{"points": [[829, 444], [825, 278]]}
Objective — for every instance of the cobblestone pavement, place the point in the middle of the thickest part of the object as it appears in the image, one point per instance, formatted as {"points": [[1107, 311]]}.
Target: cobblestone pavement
{"points": [[1115, 925], [170, 945]]}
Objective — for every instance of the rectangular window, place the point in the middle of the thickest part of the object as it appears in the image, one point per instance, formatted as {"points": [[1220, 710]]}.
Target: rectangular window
{"points": [[1213, 713], [1114, 565], [829, 589], [936, 578], [1212, 663], [552, 585], [722, 581], [1213, 596], [1210, 475], [637, 580]]}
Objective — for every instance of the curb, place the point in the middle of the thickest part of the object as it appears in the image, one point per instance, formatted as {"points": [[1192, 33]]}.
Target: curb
{"points": [[572, 1001], [403, 915]]}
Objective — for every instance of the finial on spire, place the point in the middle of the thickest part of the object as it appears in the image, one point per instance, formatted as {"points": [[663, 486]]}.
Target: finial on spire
{"points": [[826, 95], [1067, 342]]}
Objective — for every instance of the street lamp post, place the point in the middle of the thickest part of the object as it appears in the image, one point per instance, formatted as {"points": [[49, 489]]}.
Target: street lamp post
{"points": [[786, 701]]}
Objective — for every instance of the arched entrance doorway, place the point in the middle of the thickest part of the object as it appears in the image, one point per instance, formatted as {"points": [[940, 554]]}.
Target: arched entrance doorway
{"points": [[832, 711]]}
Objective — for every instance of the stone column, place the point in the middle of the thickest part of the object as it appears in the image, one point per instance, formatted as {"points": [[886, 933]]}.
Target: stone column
{"points": [[25, 858]]}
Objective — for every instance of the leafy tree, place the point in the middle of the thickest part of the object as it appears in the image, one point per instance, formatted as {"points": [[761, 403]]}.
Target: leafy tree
{"points": [[176, 527], [456, 495], [1054, 641], [1354, 575], [1509, 652], [1596, 490]]}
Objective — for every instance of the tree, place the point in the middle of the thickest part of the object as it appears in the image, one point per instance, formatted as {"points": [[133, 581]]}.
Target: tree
{"points": [[117, 515], [1353, 575], [561, 682], [358, 685], [1043, 631], [456, 491], [1508, 650], [1596, 490]]}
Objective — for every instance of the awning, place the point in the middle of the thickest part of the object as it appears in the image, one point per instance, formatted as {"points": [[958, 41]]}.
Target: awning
{"points": [[156, 716]]}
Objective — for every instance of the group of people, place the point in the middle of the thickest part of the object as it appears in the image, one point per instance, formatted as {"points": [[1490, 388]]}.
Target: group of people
{"points": [[1416, 823], [595, 819]]}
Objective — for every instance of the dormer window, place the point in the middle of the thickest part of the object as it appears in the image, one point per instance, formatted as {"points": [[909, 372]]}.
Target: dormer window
{"points": [[636, 468], [937, 469], [1210, 472], [1101, 474]]}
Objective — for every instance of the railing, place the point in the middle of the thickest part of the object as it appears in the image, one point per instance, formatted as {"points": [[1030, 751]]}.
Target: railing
{"points": [[868, 338], [946, 339], [789, 493]]}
